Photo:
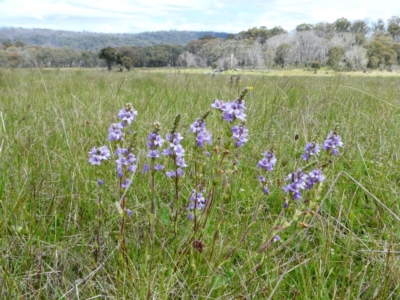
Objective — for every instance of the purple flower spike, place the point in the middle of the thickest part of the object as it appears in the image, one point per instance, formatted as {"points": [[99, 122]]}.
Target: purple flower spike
{"points": [[332, 142], [126, 183], [146, 167], [314, 177], [268, 162], [99, 154], [311, 149], [239, 133], [128, 114], [115, 132], [297, 182]]}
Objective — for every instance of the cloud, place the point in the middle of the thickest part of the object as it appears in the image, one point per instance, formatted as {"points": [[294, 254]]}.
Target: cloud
{"points": [[200, 15]]}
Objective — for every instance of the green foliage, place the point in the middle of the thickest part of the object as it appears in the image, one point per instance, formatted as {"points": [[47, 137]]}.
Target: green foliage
{"points": [[381, 52], [316, 64], [305, 27], [261, 34], [111, 56], [335, 56], [342, 25]]}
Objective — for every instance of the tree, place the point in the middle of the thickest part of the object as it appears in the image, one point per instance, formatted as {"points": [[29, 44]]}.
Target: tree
{"points": [[359, 26], [335, 56], [126, 62], [396, 48], [381, 52], [8, 44], [342, 25], [394, 26], [281, 54], [19, 44], [110, 55], [379, 28], [304, 27]]}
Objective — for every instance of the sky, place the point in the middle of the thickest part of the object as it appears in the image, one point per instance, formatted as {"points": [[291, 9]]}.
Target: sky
{"points": [[232, 16]]}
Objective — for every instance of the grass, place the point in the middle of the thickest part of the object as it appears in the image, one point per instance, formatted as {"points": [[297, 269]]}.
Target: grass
{"points": [[50, 119]]}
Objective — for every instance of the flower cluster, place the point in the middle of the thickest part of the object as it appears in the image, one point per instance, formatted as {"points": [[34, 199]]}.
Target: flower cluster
{"points": [[239, 133], [202, 135], [127, 114], [99, 154], [231, 110], [126, 162], [314, 177], [268, 162], [154, 142], [176, 151], [299, 181], [115, 132], [332, 142], [311, 149], [197, 200]]}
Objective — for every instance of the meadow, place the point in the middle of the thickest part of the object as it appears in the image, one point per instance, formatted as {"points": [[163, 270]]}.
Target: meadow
{"points": [[63, 235]]}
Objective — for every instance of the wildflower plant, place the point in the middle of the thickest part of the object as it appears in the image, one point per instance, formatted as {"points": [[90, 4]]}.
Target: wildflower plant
{"points": [[203, 176], [125, 166]]}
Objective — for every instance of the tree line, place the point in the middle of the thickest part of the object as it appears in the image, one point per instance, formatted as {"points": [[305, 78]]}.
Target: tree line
{"points": [[341, 45]]}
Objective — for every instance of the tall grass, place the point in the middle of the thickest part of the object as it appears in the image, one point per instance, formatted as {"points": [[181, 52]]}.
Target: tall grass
{"points": [[50, 119]]}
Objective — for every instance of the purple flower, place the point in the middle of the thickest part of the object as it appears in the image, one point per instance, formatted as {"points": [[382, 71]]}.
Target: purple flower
{"points": [[196, 200], [146, 167], [99, 154], [100, 182], [198, 126], [153, 154], [154, 140], [158, 167], [276, 238], [219, 104], [268, 162], [261, 179], [297, 182], [265, 190], [332, 142], [132, 168], [129, 213], [172, 174], [125, 161], [128, 114], [231, 110], [203, 137], [180, 162], [126, 183], [239, 133], [311, 149], [115, 132], [167, 152], [314, 177]]}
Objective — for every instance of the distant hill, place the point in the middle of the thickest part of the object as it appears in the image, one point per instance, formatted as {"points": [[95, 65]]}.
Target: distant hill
{"points": [[95, 41]]}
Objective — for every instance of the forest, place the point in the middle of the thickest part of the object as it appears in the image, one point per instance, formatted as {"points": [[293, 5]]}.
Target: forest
{"points": [[341, 45]]}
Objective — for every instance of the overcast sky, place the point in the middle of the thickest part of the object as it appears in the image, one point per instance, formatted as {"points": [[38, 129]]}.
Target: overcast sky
{"points": [[133, 16]]}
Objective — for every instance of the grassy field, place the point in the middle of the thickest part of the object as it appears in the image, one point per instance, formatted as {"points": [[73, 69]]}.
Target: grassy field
{"points": [[341, 241]]}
